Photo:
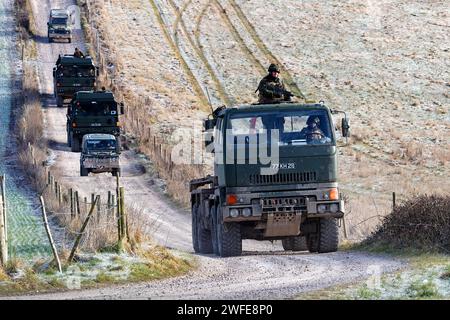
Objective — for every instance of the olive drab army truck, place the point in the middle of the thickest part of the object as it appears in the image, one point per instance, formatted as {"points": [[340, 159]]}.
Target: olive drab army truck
{"points": [[99, 153], [58, 26], [92, 112], [71, 75], [275, 178]]}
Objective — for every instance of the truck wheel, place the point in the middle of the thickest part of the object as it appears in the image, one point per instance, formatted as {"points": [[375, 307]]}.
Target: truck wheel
{"points": [[75, 143], [287, 244], [328, 235], [229, 239], [83, 171], [69, 140], [295, 243], [214, 212], [59, 102], [194, 228], [204, 236], [312, 243]]}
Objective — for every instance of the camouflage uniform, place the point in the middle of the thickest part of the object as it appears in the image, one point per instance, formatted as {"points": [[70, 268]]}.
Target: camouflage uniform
{"points": [[271, 89]]}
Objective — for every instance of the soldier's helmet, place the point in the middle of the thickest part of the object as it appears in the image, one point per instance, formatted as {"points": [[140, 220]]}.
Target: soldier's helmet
{"points": [[273, 68]]}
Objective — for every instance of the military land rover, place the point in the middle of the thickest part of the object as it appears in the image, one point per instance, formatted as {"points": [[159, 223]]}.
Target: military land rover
{"points": [[71, 75], [99, 153], [275, 178], [92, 112], [58, 26]]}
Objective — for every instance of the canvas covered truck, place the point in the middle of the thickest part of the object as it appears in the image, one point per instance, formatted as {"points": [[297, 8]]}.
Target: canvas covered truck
{"points": [[59, 26], [99, 153], [275, 178], [71, 75], [92, 112]]}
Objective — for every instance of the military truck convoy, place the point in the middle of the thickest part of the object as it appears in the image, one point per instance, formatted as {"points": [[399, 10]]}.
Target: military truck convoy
{"points": [[58, 26], [275, 178], [93, 125], [71, 75]]}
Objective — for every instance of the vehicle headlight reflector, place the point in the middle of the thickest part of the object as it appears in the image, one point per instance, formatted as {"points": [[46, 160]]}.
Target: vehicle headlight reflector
{"points": [[247, 212], [234, 213], [334, 208], [321, 208]]}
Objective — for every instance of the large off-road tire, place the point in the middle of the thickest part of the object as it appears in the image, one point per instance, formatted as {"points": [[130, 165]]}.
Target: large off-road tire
{"points": [[295, 244], [83, 171], [214, 212], [328, 235], [229, 238], [194, 228], [59, 102], [312, 241], [75, 143], [204, 236]]}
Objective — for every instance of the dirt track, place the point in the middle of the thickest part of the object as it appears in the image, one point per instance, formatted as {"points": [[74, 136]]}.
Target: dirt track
{"points": [[264, 270]]}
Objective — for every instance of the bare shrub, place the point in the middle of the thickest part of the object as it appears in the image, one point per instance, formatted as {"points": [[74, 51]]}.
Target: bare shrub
{"points": [[423, 222]]}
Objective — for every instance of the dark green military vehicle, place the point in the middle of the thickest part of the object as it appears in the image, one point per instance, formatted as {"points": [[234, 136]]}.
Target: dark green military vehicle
{"points": [[275, 178], [71, 75], [99, 153], [58, 26], [92, 112]]}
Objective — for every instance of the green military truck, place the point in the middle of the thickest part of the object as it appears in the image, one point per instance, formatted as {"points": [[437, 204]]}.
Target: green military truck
{"points": [[58, 26], [99, 153], [71, 75], [92, 112], [275, 178]]}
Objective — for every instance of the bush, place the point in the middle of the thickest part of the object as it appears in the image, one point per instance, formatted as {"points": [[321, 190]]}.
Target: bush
{"points": [[422, 223]]}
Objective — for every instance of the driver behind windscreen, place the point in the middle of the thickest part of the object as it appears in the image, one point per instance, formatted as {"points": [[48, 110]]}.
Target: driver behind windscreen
{"points": [[313, 133]]}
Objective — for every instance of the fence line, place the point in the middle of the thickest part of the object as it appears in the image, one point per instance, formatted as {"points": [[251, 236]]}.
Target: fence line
{"points": [[3, 224]]}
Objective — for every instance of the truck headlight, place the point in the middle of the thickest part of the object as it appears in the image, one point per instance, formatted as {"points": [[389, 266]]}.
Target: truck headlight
{"points": [[321, 208], [334, 208], [234, 213], [247, 212]]}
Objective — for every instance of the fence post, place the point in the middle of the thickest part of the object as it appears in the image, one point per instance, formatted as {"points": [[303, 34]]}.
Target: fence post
{"points": [[50, 238], [80, 233], [77, 204], [393, 200], [3, 241], [72, 211]]}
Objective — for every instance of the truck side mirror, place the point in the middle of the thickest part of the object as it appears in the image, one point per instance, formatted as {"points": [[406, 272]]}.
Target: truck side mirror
{"points": [[345, 128], [209, 124], [209, 141], [48, 23], [122, 108], [54, 72]]}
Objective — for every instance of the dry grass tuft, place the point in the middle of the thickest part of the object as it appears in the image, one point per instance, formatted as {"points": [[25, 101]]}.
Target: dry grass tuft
{"points": [[422, 222]]}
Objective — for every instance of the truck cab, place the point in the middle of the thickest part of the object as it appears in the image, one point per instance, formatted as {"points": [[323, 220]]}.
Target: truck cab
{"points": [[72, 74], [99, 153], [275, 178], [58, 26], [92, 112]]}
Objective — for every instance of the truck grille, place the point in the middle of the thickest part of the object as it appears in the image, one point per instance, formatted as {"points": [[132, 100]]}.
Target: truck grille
{"points": [[284, 178]]}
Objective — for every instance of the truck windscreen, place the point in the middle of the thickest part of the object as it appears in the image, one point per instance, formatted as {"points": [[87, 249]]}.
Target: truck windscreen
{"points": [[305, 127], [95, 108], [59, 21], [101, 145], [76, 71]]}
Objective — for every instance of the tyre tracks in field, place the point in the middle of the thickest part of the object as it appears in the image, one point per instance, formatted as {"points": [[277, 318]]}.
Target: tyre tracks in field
{"points": [[186, 45]]}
